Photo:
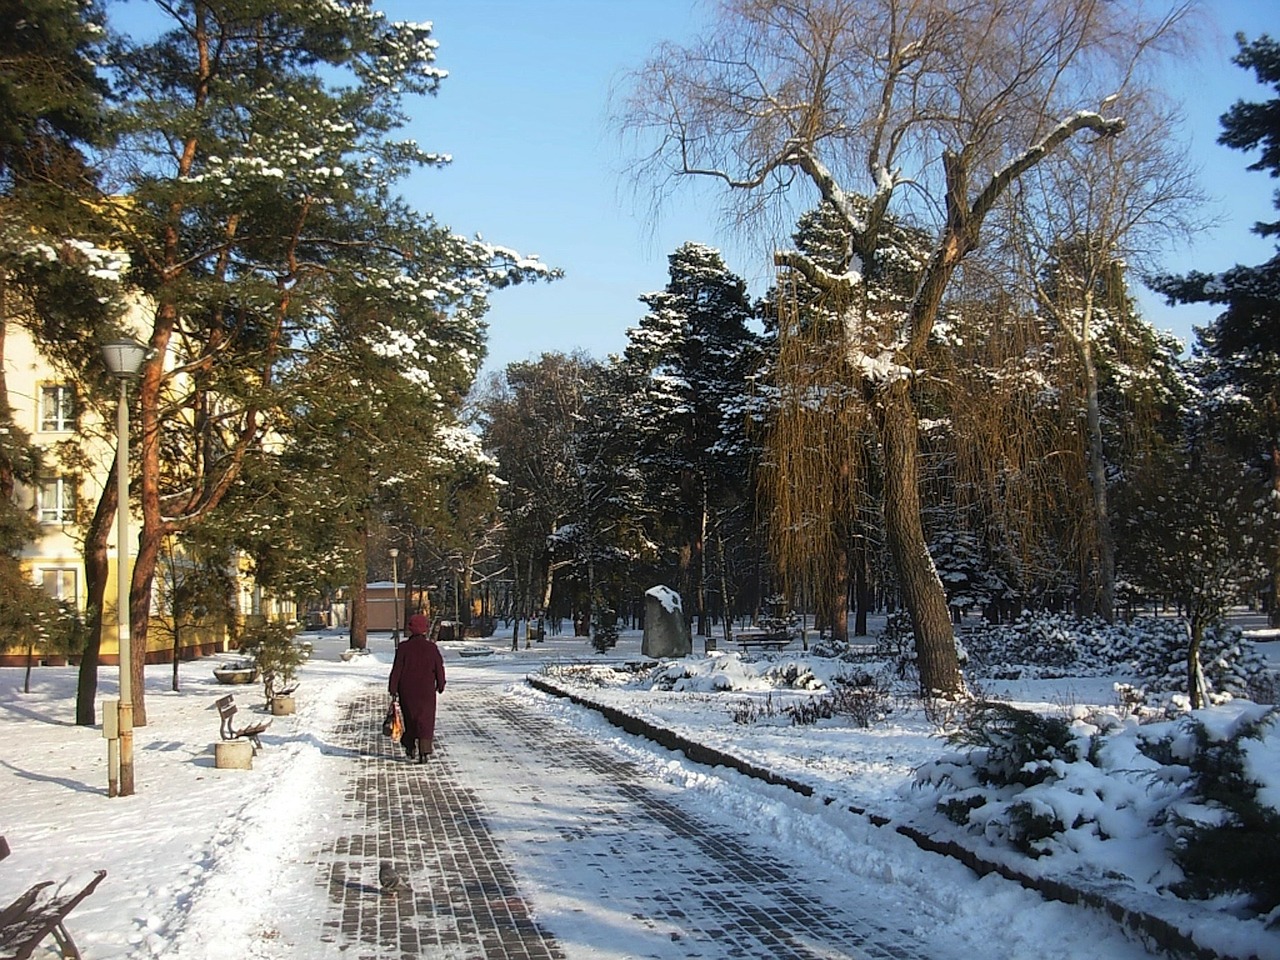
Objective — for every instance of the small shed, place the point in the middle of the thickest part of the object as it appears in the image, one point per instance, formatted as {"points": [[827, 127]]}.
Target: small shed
{"points": [[380, 596]]}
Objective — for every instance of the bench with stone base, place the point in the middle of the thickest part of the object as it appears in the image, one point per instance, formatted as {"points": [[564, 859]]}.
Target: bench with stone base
{"points": [[42, 912], [239, 744]]}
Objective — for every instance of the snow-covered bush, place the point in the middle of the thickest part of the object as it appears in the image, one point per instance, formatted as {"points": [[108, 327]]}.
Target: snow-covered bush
{"points": [[1150, 650], [864, 700], [1094, 786], [1009, 751], [1228, 829]]}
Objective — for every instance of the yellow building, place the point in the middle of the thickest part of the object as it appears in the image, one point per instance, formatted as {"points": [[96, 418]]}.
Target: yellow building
{"points": [[78, 449], [48, 407]]}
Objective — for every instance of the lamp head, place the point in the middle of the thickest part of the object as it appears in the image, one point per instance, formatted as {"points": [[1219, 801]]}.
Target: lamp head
{"points": [[125, 357]]}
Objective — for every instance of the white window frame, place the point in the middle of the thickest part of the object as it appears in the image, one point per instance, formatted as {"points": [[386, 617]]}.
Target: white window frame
{"points": [[57, 500], [57, 408], [62, 575]]}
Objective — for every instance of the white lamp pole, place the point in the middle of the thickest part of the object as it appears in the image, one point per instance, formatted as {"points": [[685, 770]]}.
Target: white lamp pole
{"points": [[124, 359], [395, 596]]}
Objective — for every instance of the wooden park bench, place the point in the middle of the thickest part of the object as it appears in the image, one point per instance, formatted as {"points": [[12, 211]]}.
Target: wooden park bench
{"points": [[39, 913], [227, 711], [765, 641]]}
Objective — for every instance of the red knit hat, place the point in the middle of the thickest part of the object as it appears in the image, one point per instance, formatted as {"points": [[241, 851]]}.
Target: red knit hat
{"points": [[418, 624]]}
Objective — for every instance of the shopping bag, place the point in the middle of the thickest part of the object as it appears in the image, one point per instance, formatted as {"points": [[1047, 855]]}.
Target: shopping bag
{"points": [[393, 723]]}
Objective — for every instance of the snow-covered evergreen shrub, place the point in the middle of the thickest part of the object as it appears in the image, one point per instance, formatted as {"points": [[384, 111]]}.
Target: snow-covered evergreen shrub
{"points": [[1010, 753], [1228, 840], [1014, 746], [604, 632], [1150, 650], [796, 676], [1031, 824], [1047, 787]]}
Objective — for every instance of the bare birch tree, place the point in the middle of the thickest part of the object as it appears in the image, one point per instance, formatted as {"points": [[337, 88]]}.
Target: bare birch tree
{"points": [[930, 108], [1081, 225]]}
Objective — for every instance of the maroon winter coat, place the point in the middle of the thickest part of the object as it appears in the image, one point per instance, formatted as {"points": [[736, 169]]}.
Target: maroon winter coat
{"points": [[417, 675]]}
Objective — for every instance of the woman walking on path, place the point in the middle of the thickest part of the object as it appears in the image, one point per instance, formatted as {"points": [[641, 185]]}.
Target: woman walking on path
{"points": [[417, 676]]}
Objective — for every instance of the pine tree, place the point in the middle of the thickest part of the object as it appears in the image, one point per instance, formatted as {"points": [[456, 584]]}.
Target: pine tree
{"points": [[56, 279], [1243, 343], [693, 357], [262, 223]]}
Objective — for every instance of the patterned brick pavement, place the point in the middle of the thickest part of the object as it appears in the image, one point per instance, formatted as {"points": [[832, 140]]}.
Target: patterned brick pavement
{"points": [[509, 808], [462, 901]]}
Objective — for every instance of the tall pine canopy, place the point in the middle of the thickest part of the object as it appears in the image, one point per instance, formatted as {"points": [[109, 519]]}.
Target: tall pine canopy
{"points": [[1240, 350], [258, 158], [692, 357]]}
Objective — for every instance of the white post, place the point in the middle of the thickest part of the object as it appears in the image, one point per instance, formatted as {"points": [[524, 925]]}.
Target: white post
{"points": [[395, 597], [122, 591], [124, 359]]}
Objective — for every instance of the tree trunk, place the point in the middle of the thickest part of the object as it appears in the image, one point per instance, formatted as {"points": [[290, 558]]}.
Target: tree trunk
{"points": [[726, 600], [1098, 481], [592, 605], [922, 591], [704, 627], [177, 648], [1273, 607], [95, 581], [1195, 679], [861, 587], [358, 625], [359, 635], [548, 582], [839, 594], [144, 569], [8, 482], [515, 599]]}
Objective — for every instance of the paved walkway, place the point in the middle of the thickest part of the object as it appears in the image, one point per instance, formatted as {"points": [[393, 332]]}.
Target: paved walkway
{"points": [[507, 812]]}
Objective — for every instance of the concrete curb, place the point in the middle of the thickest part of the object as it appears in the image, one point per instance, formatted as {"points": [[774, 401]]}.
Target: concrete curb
{"points": [[1152, 930]]}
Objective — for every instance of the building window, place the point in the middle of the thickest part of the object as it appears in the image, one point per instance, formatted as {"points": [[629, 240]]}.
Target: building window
{"points": [[58, 500], [59, 583], [57, 408]]}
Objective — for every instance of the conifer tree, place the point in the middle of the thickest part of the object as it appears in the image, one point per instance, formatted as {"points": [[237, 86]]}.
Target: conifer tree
{"points": [[693, 356], [1242, 346], [258, 152], [56, 279]]}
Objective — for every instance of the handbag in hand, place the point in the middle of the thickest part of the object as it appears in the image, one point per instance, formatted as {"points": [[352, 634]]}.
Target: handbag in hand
{"points": [[393, 723]]}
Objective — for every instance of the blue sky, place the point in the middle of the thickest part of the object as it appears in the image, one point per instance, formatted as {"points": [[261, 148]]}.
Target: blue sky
{"points": [[524, 115], [535, 167]]}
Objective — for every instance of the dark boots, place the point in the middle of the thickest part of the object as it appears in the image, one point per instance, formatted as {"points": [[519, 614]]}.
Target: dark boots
{"points": [[424, 750]]}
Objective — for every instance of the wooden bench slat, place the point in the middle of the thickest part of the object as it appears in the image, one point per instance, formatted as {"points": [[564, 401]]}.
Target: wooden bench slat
{"points": [[29, 919]]}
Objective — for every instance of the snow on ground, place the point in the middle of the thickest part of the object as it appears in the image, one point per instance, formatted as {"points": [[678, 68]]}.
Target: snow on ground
{"points": [[196, 856]]}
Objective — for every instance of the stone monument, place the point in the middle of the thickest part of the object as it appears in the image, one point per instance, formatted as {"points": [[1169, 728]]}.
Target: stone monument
{"points": [[665, 632]]}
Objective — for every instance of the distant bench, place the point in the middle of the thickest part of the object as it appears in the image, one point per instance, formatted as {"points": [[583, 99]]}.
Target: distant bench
{"points": [[39, 913], [764, 641]]}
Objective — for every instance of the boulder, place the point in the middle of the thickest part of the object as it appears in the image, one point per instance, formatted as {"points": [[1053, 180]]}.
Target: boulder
{"points": [[665, 632]]}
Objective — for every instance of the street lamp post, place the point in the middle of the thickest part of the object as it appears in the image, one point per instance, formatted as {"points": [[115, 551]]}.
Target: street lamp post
{"points": [[395, 597], [124, 359]]}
